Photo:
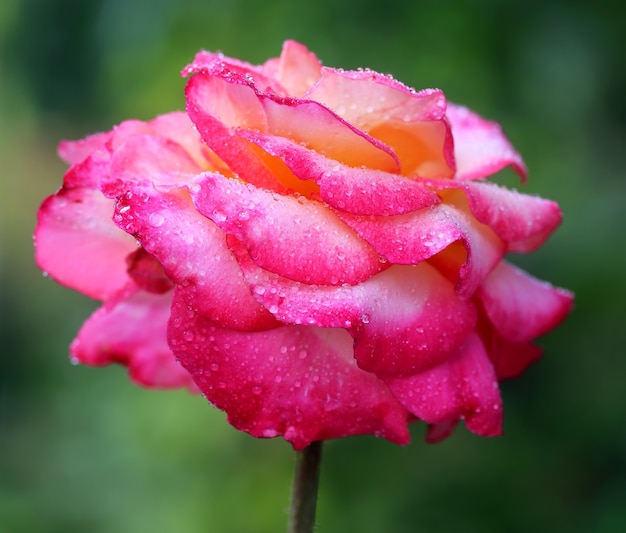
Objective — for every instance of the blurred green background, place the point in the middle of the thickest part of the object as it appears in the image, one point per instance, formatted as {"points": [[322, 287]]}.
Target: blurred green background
{"points": [[83, 450]]}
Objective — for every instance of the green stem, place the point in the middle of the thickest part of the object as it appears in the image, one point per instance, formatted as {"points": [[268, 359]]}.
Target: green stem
{"points": [[304, 491]]}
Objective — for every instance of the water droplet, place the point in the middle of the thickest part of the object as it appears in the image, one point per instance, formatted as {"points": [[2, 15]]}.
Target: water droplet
{"points": [[218, 216], [302, 354], [257, 390], [188, 335]]}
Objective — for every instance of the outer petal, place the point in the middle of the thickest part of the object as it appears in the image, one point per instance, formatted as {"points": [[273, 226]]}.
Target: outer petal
{"points": [[133, 333], [179, 128], [411, 238], [295, 381], [287, 235], [413, 321], [464, 386], [214, 107], [510, 359], [147, 272], [89, 171], [75, 151], [523, 221], [411, 122], [521, 307], [93, 154], [147, 158], [441, 431], [193, 253], [297, 69], [403, 320], [78, 222], [480, 147], [360, 191], [234, 71]]}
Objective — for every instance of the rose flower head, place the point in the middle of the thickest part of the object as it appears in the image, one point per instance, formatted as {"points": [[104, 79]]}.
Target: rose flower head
{"points": [[316, 250]]}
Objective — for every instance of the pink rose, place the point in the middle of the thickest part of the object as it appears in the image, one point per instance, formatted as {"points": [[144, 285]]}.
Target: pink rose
{"points": [[316, 247]]}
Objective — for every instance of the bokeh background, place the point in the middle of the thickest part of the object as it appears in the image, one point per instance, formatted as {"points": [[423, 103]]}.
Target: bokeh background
{"points": [[84, 450]]}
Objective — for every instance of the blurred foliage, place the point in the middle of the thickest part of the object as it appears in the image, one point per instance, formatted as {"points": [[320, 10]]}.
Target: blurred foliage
{"points": [[84, 450]]}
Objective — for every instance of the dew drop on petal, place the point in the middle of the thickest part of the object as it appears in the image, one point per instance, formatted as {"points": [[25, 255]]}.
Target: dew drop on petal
{"points": [[156, 219]]}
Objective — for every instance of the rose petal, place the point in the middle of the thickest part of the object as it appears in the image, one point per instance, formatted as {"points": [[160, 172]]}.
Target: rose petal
{"points": [[76, 151], [412, 321], [464, 386], [410, 122], [298, 382], [403, 320], [438, 432], [220, 98], [523, 221], [297, 69], [318, 128], [193, 253], [234, 71], [95, 150], [147, 272], [133, 333], [179, 128], [78, 222], [521, 307], [147, 158], [411, 238], [89, 171], [510, 359], [480, 147], [357, 190], [213, 105], [286, 235]]}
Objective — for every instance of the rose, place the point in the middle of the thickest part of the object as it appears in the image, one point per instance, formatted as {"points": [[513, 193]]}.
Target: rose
{"points": [[316, 247]]}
